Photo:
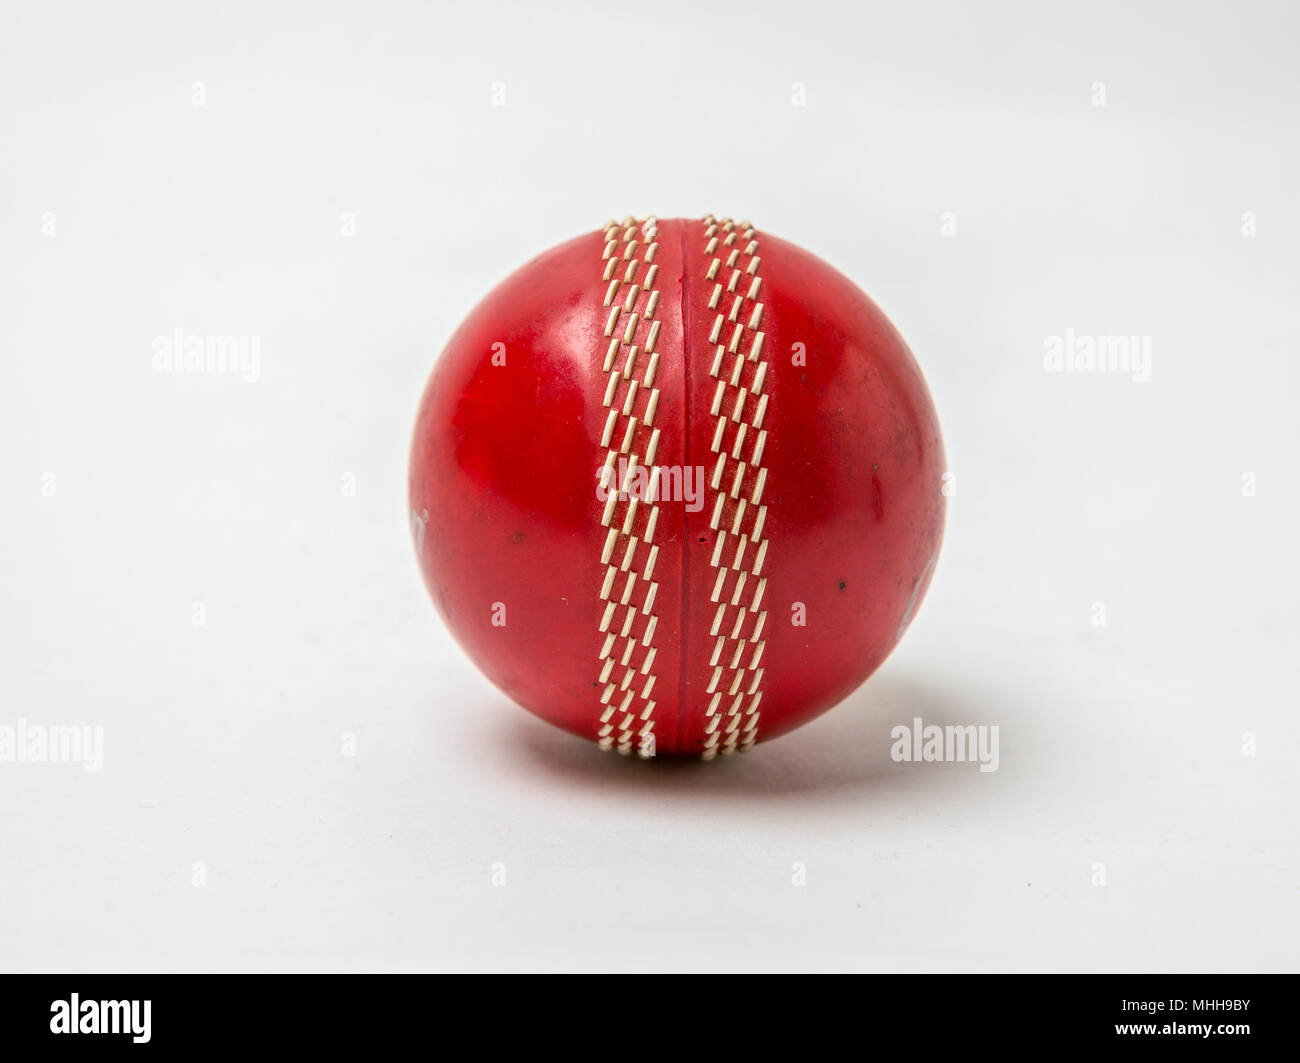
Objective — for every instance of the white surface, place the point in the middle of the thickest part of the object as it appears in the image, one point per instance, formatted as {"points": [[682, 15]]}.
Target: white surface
{"points": [[1119, 744]]}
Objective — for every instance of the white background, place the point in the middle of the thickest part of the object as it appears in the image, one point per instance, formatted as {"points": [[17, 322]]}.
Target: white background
{"points": [[1121, 745]]}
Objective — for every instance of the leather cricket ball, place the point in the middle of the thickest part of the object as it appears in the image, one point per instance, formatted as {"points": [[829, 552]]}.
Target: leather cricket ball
{"points": [[676, 486]]}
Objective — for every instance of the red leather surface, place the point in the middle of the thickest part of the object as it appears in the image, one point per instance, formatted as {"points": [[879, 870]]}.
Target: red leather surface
{"points": [[505, 459]]}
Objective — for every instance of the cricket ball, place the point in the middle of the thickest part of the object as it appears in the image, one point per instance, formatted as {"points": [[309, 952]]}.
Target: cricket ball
{"points": [[676, 486]]}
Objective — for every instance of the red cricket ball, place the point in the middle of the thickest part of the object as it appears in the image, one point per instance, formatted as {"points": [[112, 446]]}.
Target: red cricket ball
{"points": [[675, 486]]}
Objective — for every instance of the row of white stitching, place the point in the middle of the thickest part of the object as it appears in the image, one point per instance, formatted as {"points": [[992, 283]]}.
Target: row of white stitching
{"points": [[739, 516], [628, 588]]}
